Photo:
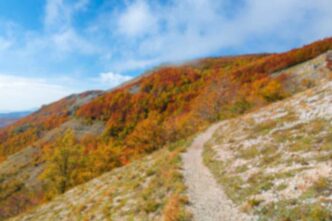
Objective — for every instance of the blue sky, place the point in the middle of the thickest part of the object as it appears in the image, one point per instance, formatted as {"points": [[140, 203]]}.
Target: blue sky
{"points": [[52, 48]]}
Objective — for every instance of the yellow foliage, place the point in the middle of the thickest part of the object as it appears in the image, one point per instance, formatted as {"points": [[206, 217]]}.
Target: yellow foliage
{"points": [[64, 164], [148, 135]]}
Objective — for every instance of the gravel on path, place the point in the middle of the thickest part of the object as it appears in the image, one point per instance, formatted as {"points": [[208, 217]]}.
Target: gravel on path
{"points": [[208, 201]]}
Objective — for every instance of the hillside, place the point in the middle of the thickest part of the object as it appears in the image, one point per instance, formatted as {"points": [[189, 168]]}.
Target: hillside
{"points": [[276, 162], [28, 140], [100, 131], [29, 129], [271, 164], [148, 189], [20, 186]]}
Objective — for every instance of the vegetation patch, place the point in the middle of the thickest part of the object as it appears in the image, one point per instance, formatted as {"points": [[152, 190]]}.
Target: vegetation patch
{"points": [[148, 189]]}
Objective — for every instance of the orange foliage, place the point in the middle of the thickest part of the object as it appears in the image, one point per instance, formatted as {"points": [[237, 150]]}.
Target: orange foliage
{"points": [[207, 90], [29, 129], [147, 136], [166, 105], [183, 97]]}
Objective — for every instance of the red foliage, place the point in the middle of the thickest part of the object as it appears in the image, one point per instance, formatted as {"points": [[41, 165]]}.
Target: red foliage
{"points": [[208, 86], [165, 105], [171, 92]]}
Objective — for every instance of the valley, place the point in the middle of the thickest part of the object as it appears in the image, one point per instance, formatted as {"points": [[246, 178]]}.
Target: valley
{"points": [[9, 118]]}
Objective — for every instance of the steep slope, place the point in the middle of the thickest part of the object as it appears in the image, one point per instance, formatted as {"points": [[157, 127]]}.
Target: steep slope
{"points": [[182, 98], [116, 127], [276, 162], [211, 203], [20, 173], [308, 74], [157, 191], [20, 186], [31, 137], [148, 189]]}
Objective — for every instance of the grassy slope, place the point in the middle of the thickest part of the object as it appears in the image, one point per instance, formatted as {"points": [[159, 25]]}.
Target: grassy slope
{"points": [[206, 65], [152, 188], [26, 138], [20, 139], [306, 75], [19, 174], [148, 189], [276, 162]]}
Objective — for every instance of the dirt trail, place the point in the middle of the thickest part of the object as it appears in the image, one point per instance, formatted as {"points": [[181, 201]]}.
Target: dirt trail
{"points": [[208, 200]]}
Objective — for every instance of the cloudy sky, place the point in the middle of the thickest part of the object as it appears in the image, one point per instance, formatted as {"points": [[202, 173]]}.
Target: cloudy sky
{"points": [[51, 48]]}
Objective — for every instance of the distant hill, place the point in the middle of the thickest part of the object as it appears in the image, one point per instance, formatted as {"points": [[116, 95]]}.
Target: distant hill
{"points": [[15, 114], [9, 118]]}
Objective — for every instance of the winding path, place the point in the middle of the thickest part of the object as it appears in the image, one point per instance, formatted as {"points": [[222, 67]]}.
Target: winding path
{"points": [[208, 200]]}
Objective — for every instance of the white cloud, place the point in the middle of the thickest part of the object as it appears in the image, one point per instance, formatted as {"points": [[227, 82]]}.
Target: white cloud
{"points": [[21, 93], [59, 13], [143, 33], [81, 5], [132, 64], [187, 29], [55, 13], [137, 19], [113, 79], [5, 44], [140, 34], [60, 35], [69, 41]]}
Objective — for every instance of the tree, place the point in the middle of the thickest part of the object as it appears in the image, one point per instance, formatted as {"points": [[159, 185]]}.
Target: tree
{"points": [[105, 157], [64, 162], [220, 92], [148, 135]]}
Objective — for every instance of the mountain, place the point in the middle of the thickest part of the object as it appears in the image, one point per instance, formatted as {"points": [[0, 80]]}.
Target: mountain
{"points": [[19, 114], [9, 118], [6, 121], [122, 132]]}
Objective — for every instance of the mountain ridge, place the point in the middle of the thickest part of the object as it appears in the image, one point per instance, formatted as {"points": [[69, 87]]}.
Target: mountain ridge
{"points": [[10, 117]]}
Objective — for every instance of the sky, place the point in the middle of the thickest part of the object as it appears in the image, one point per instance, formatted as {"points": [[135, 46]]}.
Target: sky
{"points": [[52, 48]]}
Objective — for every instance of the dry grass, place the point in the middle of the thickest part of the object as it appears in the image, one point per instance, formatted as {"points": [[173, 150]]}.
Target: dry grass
{"points": [[278, 161], [148, 189]]}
